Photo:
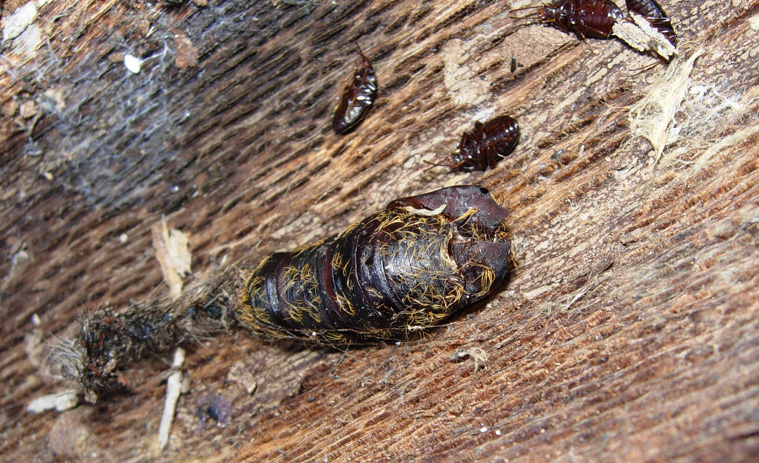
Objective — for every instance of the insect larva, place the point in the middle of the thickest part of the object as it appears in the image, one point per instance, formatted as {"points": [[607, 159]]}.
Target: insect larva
{"points": [[585, 18], [357, 99], [390, 276], [487, 144], [655, 15]]}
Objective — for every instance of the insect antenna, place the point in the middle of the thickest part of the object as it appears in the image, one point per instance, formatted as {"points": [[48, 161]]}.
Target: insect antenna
{"points": [[532, 15], [434, 164], [360, 52], [644, 69]]}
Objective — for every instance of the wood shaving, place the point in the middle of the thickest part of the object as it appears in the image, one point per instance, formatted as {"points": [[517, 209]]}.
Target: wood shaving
{"points": [[173, 391], [172, 251], [643, 37], [58, 401]]}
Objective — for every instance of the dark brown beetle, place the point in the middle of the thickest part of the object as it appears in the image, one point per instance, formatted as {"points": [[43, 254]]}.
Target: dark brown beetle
{"points": [[585, 18], [391, 276], [357, 99], [487, 144], [655, 15]]}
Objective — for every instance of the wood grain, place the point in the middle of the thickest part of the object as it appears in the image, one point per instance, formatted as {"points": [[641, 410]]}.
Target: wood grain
{"points": [[629, 332]]}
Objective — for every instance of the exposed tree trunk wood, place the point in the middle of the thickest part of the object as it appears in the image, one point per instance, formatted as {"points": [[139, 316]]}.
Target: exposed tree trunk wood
{"points": [[630, 331]]}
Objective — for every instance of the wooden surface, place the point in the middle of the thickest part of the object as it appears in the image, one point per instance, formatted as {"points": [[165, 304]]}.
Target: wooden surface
{"points": [[629, 332]]}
